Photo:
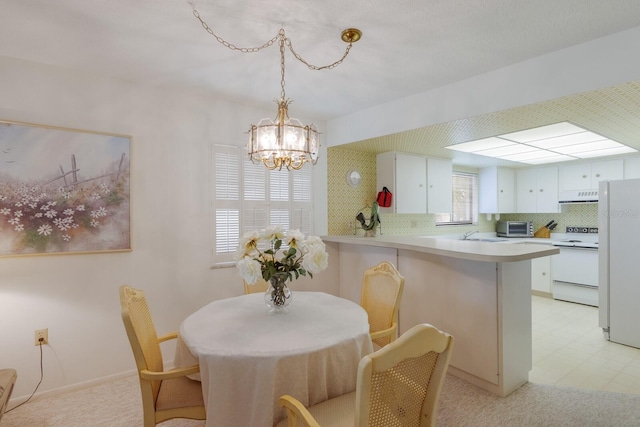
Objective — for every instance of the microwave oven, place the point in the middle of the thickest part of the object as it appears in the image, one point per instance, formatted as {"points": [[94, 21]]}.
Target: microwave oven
{"points": [[514, 228]]}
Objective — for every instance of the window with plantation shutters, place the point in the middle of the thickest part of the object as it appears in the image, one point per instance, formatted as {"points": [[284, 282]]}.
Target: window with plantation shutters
{"points": [[465, 201], [250, 197]]}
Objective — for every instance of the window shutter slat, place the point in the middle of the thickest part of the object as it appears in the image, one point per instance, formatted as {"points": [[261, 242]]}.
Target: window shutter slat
{"points": [[227, 230], [279, 185], [254, 181], [227, 185], [302, 185]]}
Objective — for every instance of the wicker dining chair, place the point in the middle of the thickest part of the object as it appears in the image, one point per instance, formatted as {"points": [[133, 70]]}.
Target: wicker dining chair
{"points": [[398, 385], [382, 287], [260, 286], [165, 394]]}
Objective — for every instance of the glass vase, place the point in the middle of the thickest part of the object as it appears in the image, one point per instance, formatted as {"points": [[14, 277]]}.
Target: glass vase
{"points": [[278, 296]]}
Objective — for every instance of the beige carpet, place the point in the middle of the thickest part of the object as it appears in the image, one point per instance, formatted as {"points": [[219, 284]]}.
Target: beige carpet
{"points": [[117, 404]]}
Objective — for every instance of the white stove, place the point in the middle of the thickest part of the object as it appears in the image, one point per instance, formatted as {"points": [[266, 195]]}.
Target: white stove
{"points": [[575, 269]]}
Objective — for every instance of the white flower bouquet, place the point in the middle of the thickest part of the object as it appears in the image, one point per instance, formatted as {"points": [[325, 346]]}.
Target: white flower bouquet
{"points": [[300, 257]]}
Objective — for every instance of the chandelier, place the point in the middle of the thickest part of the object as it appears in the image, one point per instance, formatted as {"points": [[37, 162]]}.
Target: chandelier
{"points": [[284, 141]]}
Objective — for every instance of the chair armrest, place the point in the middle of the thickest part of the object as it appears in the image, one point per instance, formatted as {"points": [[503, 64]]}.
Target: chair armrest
{"points": [[167, 337], [172, 373], [296, 412], [384, 332]]}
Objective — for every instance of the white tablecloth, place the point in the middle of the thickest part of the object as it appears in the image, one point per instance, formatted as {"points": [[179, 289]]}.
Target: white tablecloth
{"points": [[248, 358]]}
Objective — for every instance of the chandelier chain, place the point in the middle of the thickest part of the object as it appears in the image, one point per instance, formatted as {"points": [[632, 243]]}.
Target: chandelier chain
{"points": [[315, 67], [232, 46], [281, 35], [282, 40]]}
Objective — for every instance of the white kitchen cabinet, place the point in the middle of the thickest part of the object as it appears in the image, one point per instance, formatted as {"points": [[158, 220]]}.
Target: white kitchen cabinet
{"points": [[497, 190], [586, 176], [632, 167], [439, 186], [537, 190], [406, 176], [541, 275]]}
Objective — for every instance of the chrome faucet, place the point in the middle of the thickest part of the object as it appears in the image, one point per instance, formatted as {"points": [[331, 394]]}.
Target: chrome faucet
{"points": [[466, 235]]}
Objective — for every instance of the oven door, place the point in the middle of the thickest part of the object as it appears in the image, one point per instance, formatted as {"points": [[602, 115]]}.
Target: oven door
{"points": [[574, 272]]}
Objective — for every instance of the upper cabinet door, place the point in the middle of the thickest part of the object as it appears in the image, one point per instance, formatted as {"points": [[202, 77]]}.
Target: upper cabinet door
{"points": [[547, 190], [537, 190], [575, 176], [411, 184], [632, 167], [606, 170], [526, 190], [439, 186], [497, 190], [586, 176]]}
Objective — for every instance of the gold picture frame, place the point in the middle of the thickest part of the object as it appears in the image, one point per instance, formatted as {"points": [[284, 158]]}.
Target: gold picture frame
{"points": [[63, 190]]}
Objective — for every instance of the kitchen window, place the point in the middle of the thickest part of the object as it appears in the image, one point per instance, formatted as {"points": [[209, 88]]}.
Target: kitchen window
{"points": [[465, 201], [251, 197]]}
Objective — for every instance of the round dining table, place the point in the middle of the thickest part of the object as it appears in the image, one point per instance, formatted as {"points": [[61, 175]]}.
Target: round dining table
{"points": [[248, 357]]}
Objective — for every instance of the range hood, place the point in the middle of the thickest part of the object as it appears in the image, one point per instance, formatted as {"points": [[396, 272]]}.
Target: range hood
{"points": [[578, 196]]}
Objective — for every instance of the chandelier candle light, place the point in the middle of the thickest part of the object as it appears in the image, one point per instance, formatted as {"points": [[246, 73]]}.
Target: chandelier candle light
{"points": [[284, 141], [275, 264]]}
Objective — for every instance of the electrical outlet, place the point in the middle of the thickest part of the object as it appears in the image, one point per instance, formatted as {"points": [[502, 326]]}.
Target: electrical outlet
{"points": [[42, 336]]}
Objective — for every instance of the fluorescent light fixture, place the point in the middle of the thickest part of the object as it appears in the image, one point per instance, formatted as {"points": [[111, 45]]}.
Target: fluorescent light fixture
{"points": [[563, 140], [483, 144], [607, 152], [547, 144]]}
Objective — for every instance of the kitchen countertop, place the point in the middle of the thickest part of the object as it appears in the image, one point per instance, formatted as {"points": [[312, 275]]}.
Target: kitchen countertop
{"points": [[456, 248]]}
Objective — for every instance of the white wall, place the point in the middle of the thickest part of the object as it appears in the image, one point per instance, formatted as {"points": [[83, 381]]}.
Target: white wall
{"points": [[604, 62], [76, 296]]}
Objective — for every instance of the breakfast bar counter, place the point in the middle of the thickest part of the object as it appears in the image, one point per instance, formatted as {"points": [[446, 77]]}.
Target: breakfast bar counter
{"points": [[479, 292]]}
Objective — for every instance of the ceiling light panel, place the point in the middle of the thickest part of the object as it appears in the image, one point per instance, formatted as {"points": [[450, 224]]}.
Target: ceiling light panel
{"points": [[547, 144], [507, 150], [544, 132], [480, 144], [564, 140], [590, 146], [623, 149], [552, 159]]}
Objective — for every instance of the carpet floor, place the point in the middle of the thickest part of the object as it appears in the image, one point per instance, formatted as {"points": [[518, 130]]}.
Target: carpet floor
{"points": [[118, 404]]}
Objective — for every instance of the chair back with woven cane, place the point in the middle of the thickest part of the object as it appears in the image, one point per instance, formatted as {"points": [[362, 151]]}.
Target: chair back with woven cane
{"points": [[398, 385], [260, 286], [382, 288], [401, 383], [165, 394]]}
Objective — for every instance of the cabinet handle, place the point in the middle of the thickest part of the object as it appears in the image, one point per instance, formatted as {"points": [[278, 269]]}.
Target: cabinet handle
{"points": [[597, 175], [584, 176], [502, 191], [544, 273], [541, 190], [530, 191]]}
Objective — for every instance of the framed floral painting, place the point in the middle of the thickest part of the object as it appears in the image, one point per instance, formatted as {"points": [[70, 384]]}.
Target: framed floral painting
{"points": [[63, 190]]}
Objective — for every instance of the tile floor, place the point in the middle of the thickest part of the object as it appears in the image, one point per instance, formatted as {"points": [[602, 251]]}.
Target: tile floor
{"points": [[569, 350]]}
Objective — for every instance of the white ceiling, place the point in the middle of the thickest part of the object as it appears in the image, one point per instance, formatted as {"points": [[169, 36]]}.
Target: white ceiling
{"points": [[408, 46]]}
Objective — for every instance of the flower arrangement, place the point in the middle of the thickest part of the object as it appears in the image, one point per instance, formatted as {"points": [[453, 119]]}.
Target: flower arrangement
{"points": [[46, 220], [303, 255]]}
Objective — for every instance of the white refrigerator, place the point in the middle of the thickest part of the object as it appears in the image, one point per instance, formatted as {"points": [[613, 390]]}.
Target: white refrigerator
{"points": [[619, 259]]}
